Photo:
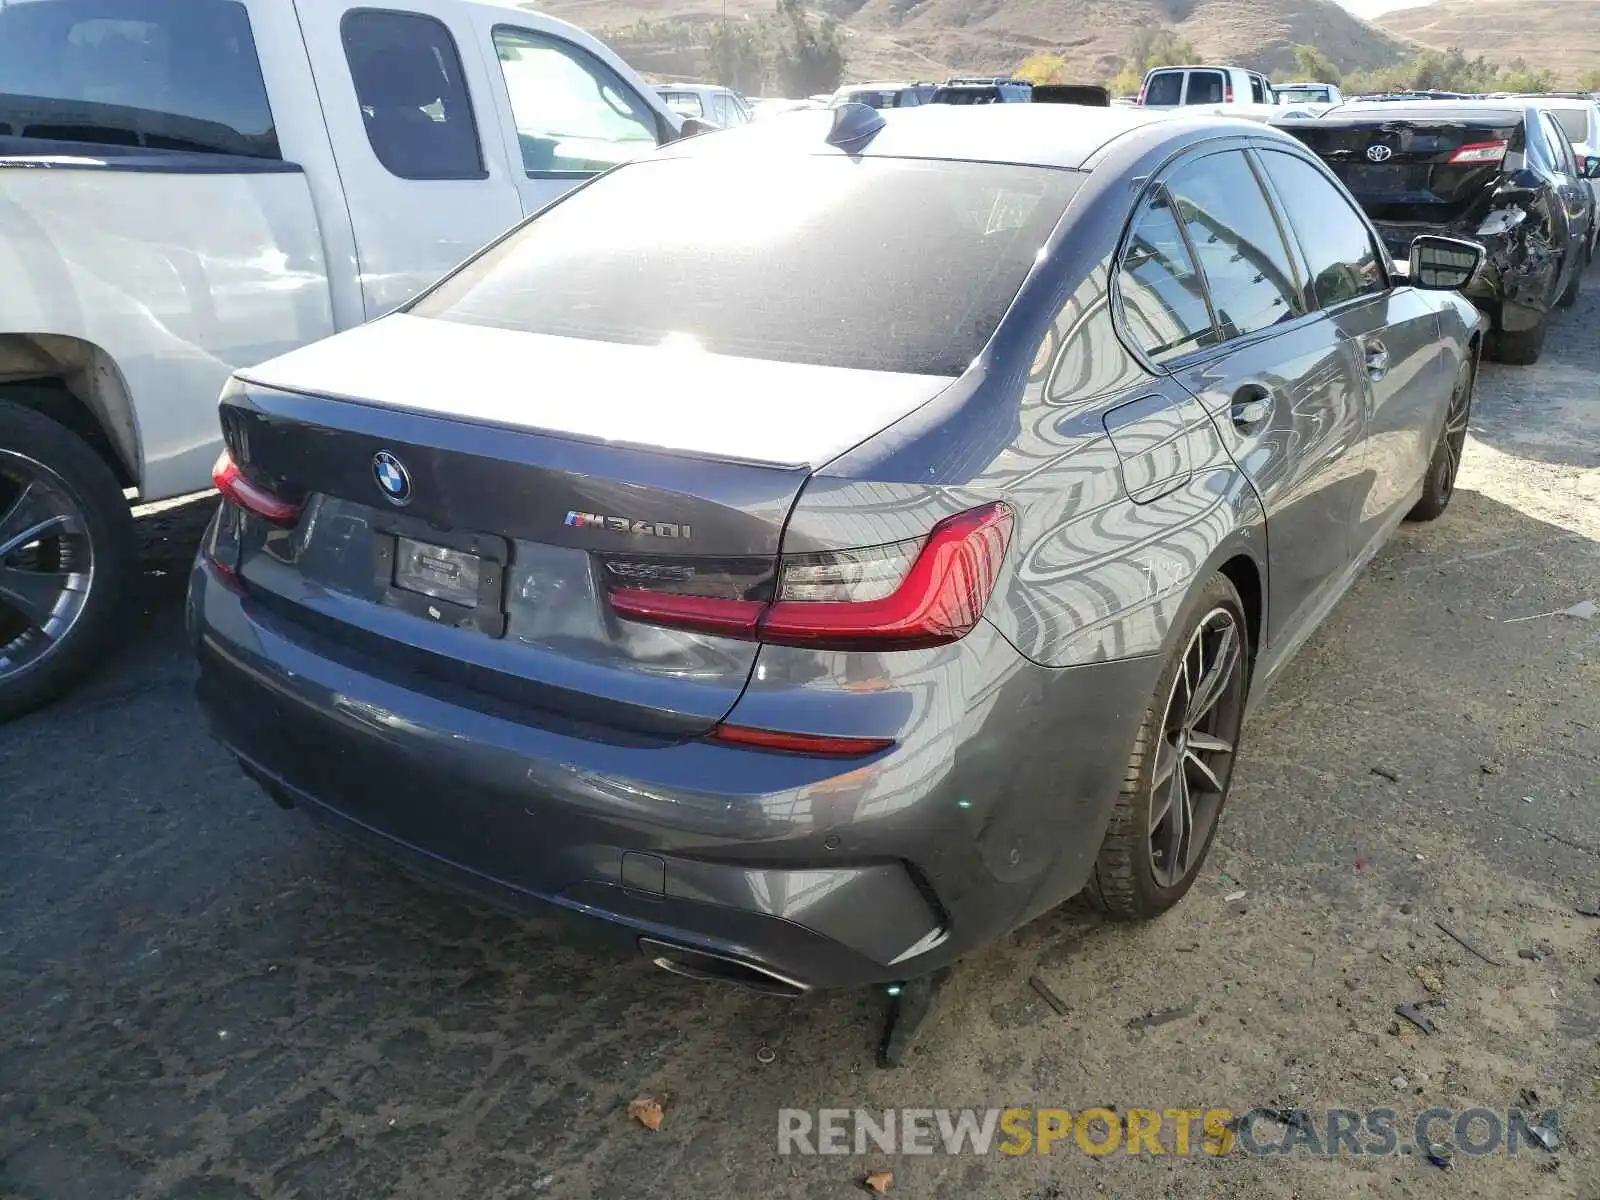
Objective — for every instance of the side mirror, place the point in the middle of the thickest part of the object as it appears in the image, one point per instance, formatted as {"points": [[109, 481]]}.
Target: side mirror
{"points": [[1591, 166], [1443, 264], [694, 126]]}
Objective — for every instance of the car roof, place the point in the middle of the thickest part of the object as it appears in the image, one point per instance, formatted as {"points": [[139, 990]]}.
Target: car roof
{"points": [[1044, 135]]}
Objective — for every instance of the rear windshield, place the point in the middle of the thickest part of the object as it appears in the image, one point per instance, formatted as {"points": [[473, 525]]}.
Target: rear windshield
{"points": [[1302, 95], [877, 264], [1165, 88], [1574, 123], [156, 74], [967, 95]]}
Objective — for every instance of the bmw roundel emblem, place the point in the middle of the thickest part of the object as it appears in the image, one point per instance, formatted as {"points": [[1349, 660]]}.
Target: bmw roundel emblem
{"points": [[1379, 153], [394, 481]]}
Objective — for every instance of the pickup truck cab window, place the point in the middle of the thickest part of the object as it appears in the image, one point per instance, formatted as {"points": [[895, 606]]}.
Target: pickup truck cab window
{"points": [[573, 115], [414, 100], [160, 74]]}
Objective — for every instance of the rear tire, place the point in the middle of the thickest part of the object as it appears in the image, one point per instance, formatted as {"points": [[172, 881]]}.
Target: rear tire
{"points": [[1440, 484], [53, 483], [1146, 864], [1523, 347], [1570, 296]]}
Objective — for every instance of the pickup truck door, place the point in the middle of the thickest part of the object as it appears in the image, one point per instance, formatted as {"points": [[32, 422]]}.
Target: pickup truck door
{"points": [[568, 107], [405, 94]]}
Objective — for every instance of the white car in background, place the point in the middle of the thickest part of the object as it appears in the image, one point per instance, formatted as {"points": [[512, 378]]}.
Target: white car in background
{"points": [[723, 107], [1319, 97]]}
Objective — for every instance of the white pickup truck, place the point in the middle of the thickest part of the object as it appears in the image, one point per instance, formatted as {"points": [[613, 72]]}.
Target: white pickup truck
{"points": [[190, 186]]}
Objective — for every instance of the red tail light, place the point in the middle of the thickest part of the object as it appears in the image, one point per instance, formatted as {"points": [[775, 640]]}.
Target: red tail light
{"points": [[1227, 92], [1142, 88], [230, 481], [798, 743], [1480, 152], [897, 597]]}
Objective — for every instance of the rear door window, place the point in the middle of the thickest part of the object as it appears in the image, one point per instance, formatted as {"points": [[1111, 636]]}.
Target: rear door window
{"points": [[1164, 87], [1341, 257], [1205, 87], [574, 116], [156, 74], [1258, 90], [1237, 245], [1560, 147], [819, 259], [1162, 298], [1574, 124], [413, 98]]}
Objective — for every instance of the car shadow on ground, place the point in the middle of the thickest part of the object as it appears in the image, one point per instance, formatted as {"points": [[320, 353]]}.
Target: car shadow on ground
{"points": [[209, 997]]}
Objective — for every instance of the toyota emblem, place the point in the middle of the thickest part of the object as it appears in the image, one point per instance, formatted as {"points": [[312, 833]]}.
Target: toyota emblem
{"points": [[1379, 153]]}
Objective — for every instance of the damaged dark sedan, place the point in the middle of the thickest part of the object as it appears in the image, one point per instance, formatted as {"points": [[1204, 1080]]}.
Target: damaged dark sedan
{"points": [[1501, 174]]}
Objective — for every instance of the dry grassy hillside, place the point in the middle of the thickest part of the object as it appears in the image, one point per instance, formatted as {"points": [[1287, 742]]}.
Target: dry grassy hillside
{"points": [[927, 38], [1556, 35]]}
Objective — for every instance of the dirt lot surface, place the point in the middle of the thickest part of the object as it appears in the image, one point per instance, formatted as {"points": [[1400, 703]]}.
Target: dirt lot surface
{"points": [[205, 997]]}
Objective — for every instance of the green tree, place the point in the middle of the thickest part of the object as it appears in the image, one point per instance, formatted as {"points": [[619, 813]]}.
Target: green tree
{"points": [[1589, 81], [733, 55], [1313, 64], [807, 56], [1126, 82]]}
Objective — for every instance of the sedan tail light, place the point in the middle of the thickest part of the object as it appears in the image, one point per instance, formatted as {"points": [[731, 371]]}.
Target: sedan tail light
{"points": [[230, 481], [903, 596], [1480, 152]]}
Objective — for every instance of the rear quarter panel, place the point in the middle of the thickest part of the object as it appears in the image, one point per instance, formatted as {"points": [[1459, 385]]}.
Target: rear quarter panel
{"points": [[178, 274]]}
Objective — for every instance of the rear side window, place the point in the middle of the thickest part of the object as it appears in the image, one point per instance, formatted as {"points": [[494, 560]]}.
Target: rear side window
{"points": [[816, 259], [1258, 90], [1574, 123], [1164, 87], [1337, 244], [1163, 301], [685, 104], [1205, 87], [1560, 147], [157, 74], [1236, 241], [413, 97]]}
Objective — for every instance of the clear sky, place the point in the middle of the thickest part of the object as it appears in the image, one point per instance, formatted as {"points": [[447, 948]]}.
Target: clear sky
{"points": [[1371, 8]]}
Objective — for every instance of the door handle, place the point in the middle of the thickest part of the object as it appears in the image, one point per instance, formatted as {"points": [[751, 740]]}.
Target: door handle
{"points": [[1377, 360], [1251, 406]]}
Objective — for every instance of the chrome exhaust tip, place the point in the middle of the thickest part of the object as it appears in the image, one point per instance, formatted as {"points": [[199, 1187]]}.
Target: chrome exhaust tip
{"points": [[707, 967]]}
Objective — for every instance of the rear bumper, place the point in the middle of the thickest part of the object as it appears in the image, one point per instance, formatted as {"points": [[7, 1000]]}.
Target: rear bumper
{"points": [[810, 871]]}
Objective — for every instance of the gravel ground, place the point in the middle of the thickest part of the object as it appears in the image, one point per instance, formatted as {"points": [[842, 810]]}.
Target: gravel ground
{"points": [[205, 997]]}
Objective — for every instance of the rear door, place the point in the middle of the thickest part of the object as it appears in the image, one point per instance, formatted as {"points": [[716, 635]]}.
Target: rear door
{"points": [[1394, 332], [1573, 189], [404, 94], [1205, 87], [1283, 386]]}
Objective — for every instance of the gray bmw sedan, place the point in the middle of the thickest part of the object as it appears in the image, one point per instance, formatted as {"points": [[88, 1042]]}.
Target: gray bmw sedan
{"points": [[809, 552]]}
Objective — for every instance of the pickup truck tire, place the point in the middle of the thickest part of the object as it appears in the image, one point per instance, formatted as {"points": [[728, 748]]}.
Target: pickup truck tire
{"points": [[51, 480]]}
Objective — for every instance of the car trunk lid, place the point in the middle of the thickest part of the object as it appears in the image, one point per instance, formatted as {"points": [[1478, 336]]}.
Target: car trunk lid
{"points": [[488, 572], [1436, 171]]}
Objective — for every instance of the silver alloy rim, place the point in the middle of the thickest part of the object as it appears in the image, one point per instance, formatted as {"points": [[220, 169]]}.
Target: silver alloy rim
{"points": [[1194, 757], [46, 563], [1455, 431]]}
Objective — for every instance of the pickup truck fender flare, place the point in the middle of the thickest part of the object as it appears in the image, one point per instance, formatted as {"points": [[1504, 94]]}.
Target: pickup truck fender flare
{"points": [[79, 385]]}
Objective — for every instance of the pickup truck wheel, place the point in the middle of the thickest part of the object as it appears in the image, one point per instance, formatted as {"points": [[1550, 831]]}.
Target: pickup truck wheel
{"points": [[67, 559], [1521, 348]]}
